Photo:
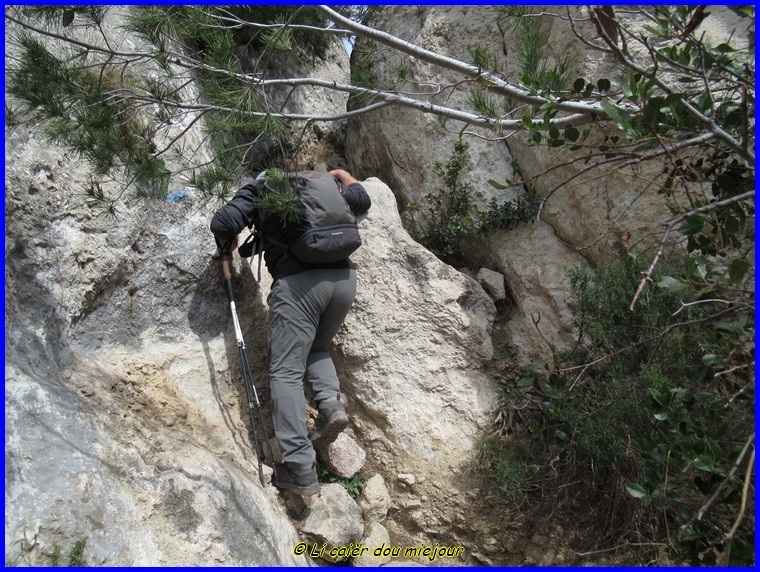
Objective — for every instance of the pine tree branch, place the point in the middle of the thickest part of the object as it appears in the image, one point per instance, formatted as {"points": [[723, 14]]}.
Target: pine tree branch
{"points": [[233, 21], [496, 84], [87, 46], [431, 108], [201, 107], [389, 97]]}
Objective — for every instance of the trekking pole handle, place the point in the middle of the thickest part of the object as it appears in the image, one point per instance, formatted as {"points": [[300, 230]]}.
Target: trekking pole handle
{"points": [[227, 275], [227, 266]]}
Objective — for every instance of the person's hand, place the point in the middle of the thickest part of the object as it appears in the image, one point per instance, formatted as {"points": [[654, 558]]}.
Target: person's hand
{"points": [[343, 176], [229, 248]]}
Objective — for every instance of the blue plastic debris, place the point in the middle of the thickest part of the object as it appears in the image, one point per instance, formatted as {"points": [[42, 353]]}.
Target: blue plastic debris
{"points": [[174, 197]]}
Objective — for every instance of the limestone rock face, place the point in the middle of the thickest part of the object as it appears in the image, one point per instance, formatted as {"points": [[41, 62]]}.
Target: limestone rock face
{"points": [[125, 405], [609, 206], [534, 264], [126, 413], [379, 144], [126, 418], [140, 494], [415, 341], [123, 393]]}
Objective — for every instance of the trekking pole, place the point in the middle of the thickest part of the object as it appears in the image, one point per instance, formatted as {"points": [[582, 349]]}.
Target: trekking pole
{"points": [[252, 396]]}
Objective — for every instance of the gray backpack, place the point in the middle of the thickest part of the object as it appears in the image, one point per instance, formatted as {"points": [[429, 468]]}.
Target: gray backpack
{"points": [[325, 231]]}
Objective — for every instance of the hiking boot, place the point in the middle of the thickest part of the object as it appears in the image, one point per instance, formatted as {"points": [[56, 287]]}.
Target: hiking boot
{"points": [[301, 480], [331, 421]]}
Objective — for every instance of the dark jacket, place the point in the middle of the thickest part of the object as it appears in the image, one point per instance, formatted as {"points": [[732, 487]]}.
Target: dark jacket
{"points": [[239, 213]]}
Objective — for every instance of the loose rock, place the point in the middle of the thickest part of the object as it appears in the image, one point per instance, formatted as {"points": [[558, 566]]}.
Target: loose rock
{"points": [[344, 457], [334, 518], [375, 500], [493, 283], [377, 536]]}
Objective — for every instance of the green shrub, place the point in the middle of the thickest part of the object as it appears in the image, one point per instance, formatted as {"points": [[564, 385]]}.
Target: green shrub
{"points": [[509, 472], [449, 210], [654, 410], [354, 486], [509, 214], [449, 207]]}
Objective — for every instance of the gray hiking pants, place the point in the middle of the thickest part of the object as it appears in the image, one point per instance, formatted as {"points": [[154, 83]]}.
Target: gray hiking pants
{"points": [[305, 312]]}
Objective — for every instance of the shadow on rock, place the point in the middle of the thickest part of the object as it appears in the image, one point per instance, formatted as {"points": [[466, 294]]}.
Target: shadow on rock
{"points": [[209, 317]]}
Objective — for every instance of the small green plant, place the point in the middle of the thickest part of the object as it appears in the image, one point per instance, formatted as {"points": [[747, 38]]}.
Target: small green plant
{"points": [[507, 215], [449, 210], [76, 554], [31, 553], [408, 218], [510, 474], [354, 486], [55, 554]]}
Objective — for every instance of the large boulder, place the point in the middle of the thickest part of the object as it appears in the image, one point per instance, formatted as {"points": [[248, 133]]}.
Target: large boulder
{"points": [[375, 143], [414, 345], [411, 355], [333, 519]]}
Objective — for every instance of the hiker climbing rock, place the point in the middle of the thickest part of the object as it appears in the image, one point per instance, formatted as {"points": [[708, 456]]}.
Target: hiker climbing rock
{"points": [[305, 240]]}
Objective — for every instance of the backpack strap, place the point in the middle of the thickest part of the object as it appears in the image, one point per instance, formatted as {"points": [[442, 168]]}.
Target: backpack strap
{"points": [[258, 278], [274, 241], [257, 241]]}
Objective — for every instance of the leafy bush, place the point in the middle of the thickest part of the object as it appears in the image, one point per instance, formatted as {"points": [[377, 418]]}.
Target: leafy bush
{"points": [[509, 471], [450, 211], [449, 206], [507, 215], [654, 409]]}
